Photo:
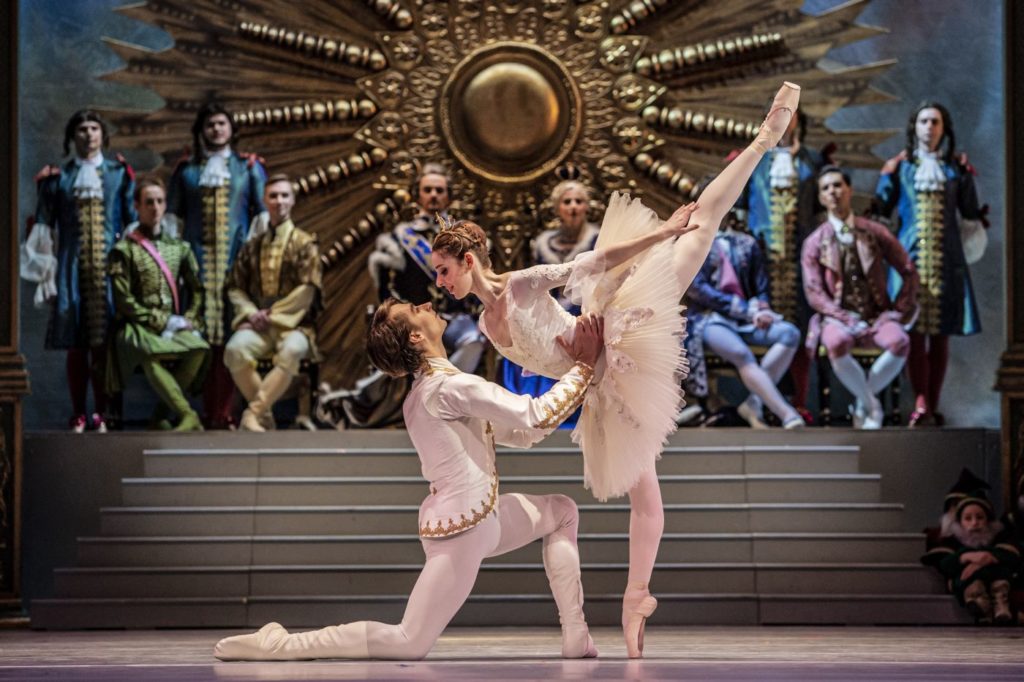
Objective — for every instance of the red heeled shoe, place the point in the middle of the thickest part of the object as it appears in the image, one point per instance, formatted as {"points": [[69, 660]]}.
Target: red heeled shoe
{"points": [[920, 417]]}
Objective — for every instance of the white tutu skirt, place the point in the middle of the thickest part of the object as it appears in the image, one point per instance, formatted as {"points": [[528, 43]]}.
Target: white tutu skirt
{"points": [[630, 411]]}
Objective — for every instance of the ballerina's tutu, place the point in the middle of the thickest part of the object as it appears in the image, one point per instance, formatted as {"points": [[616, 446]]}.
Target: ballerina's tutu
{"points": [[630, 411]]}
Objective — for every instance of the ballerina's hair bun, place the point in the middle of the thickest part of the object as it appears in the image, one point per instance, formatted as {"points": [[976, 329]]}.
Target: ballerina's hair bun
{"points": [[464, 236]]}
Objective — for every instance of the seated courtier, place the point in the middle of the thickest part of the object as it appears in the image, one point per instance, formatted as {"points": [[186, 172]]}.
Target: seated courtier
{"points": [[274, 288], [845, 264]]}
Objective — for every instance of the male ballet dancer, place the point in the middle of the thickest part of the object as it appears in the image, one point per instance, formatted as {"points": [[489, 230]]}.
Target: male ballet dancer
{"points": [[454, 420]]}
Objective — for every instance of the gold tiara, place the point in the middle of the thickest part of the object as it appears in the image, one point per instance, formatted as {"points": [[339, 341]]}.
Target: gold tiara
{"points": [[444, 224]]}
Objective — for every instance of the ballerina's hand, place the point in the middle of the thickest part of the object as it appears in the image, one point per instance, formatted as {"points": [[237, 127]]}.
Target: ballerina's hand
{"points": [[587, 341], [679, 222]]}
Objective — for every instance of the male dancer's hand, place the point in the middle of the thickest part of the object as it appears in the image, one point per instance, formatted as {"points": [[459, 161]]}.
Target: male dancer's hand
{"points": [[587, 340]]}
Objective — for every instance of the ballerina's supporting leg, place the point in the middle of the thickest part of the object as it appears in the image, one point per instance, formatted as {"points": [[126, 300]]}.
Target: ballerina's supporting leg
{"points": [[719, 196], [646, 524]]}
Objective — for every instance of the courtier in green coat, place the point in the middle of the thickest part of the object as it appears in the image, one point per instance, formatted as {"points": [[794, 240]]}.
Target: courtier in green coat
{"points": [[158, 304]]}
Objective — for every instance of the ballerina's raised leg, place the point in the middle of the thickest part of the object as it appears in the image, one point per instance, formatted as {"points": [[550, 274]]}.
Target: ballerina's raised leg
{"points": [[647, 516]]}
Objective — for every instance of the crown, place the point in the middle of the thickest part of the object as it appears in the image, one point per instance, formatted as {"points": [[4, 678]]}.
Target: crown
{"points": [[445, 224]]}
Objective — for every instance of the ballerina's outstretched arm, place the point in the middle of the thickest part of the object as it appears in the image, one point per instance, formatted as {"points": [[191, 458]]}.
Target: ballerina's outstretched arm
{"points": [[718, 197], [679, 223]]}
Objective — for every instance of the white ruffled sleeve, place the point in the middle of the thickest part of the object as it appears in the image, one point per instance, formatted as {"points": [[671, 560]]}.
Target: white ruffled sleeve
{"points": [[39, 264]]}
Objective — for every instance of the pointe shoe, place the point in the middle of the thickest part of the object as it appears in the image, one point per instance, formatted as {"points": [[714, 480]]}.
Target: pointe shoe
{"points": [[777, 121], [636, 609], [258, 646], [577, 642]]}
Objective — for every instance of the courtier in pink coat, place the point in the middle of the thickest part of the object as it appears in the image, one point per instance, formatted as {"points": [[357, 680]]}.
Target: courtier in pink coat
{"points": [[845, 266]]}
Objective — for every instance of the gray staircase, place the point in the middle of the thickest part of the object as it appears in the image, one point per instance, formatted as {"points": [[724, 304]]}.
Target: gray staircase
{"points": [[307, 536]]}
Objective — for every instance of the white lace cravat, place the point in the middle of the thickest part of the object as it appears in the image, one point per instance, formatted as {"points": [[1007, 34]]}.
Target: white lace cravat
{"points": [[843, 229], [929, 176], [215, 172], [87, 182], [783, 171]]}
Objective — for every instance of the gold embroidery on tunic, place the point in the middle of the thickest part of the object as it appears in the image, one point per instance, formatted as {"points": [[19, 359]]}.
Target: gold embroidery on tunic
{"points": [[928, 259], [558, 407], [783, 259], [215, 259], [487, 506], [92, 268]]}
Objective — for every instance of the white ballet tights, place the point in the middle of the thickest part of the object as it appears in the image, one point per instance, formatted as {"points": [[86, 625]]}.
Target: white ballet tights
{"points": [[442, 588], [727, 344]]}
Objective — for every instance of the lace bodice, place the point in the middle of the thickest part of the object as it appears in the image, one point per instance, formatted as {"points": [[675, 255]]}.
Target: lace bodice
{"points": [[535, 319]]}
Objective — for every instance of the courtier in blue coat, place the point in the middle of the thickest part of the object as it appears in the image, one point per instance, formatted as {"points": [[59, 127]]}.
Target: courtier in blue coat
{"points": [[933, 196], [729, 308], [400, 268], [215, 194], [84, 207], [780, 201]]}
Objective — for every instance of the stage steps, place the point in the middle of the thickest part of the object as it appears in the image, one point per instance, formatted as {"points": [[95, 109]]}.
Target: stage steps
{"points": [[234, 537]]}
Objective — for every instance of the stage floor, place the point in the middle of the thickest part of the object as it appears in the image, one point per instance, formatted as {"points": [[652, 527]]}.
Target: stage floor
{"points": [[754, 653]]}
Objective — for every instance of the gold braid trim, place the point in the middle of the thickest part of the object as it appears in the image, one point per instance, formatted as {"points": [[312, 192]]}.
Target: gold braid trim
{"points": [[565, 396], [440, 529], [782, 256], [92, 268], [928, 259], [215, 260]]}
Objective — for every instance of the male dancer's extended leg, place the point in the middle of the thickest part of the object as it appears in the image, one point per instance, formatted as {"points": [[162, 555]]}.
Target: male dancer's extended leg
{"points": [[646, 524]]}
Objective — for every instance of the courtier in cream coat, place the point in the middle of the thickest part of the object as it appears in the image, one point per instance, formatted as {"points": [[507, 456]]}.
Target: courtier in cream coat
{"points": [[274, 289], [454, 420], [845, 264]]}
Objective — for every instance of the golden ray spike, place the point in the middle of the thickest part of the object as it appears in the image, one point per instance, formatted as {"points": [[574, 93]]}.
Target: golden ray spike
{"points": [[342, 169], [677, 119], [307, 112], [672, 60], [393, 11], [666, 173], [324, 47], [383, 214], [634, 13]]}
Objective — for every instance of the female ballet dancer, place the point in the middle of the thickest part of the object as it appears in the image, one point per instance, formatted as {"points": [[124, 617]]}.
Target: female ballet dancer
{"points": [[628, 279]]}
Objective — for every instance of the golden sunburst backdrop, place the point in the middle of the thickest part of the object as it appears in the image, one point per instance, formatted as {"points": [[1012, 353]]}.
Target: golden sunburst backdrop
{"points": [[511, 95]]}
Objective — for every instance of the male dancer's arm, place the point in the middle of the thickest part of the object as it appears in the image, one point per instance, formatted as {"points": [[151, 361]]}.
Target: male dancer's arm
{"points": [[521, 420]]}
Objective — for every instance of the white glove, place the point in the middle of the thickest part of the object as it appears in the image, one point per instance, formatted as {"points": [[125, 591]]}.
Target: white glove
{"points": [[175, 323]]}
